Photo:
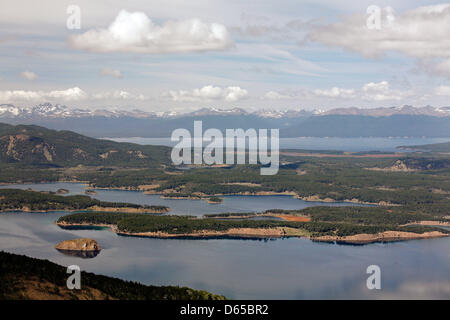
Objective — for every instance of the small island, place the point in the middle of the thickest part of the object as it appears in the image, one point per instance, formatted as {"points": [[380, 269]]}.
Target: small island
{"points": [[62, 191], [82, 247], [214, 200]]}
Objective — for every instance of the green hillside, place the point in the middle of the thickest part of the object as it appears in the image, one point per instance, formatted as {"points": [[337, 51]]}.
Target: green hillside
{"points": [[29, 144], [435, 147], [22, 277]]}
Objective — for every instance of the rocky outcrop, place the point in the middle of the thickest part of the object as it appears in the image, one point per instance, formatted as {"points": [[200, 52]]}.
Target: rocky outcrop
{"points": [[385, 236], [82, 244]]}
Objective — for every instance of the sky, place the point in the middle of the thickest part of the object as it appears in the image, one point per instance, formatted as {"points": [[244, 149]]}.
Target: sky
{"points": [[177, 55]]}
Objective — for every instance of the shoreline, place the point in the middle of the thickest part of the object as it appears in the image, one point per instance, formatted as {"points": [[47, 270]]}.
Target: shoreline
{"points": [[150, 191], [312, 198], [93, 209], [386, 236], [267, 233], [430, 223]]}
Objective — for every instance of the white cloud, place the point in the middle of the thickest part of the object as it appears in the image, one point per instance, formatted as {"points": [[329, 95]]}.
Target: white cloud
{"points": [[208, 93], [372, 91], [29, 75], [273, 95], [421, 33], [71, 94], [381, 91], [111, 72], [335, 92], [68, 95], [136, 32], [442, 91], [233, 94], [118, 95]]}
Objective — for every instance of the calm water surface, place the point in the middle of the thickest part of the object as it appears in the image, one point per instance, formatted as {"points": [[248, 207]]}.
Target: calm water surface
{"points": [[313, 143], [242, 269]]}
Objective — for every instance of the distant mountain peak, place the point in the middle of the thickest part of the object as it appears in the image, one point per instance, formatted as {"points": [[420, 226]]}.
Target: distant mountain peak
{"points": [[48, 110], [390, 111]]}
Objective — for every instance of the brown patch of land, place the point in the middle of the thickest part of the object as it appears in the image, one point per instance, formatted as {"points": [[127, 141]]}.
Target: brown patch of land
{"points": [[430, 223], [382, 236], [39, 289], [245, 184], [144, 187], [289, 217], [346, 155]]}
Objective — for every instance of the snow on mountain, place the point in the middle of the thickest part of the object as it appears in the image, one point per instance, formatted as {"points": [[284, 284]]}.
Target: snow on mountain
{"points": [[9, 110], [217, 111], [47, 110], [390, 111]]}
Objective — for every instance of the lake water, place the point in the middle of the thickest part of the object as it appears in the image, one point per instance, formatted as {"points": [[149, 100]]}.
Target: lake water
{"points": [[241, 269], [312, 143]]}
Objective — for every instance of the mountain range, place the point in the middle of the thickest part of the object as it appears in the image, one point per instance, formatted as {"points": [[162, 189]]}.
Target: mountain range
{"points": [[399, 121], [47, 110]]}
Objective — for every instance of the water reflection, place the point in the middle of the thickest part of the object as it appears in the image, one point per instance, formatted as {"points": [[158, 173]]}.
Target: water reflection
{"points": [[79, 253], [240, 269]]}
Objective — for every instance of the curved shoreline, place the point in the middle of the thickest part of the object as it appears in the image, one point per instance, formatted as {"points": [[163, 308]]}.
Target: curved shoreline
{"points": [[266, 233], [90, 209], [151, 191], [312, 198]]}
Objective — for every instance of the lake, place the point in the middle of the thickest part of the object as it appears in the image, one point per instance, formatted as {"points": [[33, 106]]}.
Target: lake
{"points": [[240, 269], [313, 143]]}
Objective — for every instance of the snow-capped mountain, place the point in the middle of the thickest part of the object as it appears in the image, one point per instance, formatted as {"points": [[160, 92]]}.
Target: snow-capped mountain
{"points": [[277, 114], [378, 122], [390, 111], [48, 110], [217, 111], [8, 110]]}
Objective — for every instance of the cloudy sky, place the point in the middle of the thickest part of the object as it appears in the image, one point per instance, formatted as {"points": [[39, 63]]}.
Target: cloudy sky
{"points": [[160, 55]]}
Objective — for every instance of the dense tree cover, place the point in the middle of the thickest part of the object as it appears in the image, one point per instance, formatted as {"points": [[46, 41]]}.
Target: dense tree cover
{"points": [[15, 269], [435, 147], [111, 164], [364, 215], [15, 173], [338, 179], [372, 215], [234, 214], [138, 223], [35, 145], [423, 192], [15, 199]]}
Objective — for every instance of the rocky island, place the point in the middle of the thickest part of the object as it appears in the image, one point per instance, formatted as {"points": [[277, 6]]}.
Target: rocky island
{"points": [[82, 247], [82, 244]]}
